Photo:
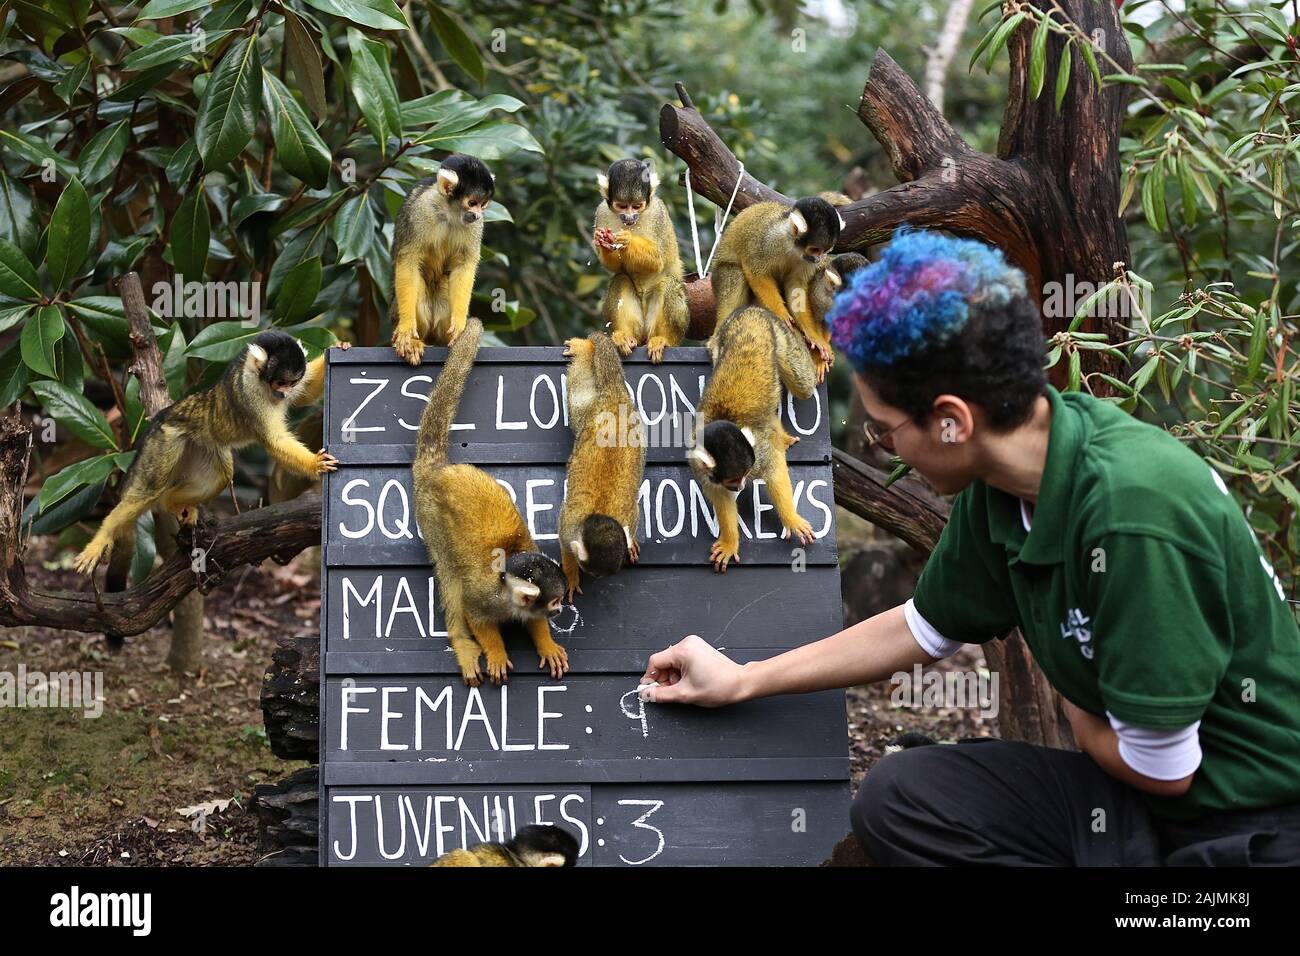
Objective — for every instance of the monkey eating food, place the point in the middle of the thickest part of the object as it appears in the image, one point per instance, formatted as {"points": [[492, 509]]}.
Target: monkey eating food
{"points": [[770, 256], [533, 845], [488, 567], [184, 458], [436, 246], [645, 303], [739, 431], [599, 517]]}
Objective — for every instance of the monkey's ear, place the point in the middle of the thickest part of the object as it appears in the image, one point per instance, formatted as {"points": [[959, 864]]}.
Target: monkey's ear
{"points": [[522, 592], [603, 182], [834, 278], [703, 457], [652, 178], [579, 550], [550, 859], [798, 224], [843, 225], [256, 356], [301, 346], [447, 180], [749, 435]]}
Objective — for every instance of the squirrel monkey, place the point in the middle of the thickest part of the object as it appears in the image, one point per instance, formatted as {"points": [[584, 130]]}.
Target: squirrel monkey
{"points": [[829, 280], [739, 424], [770, 256], [599, 517], [534, 845], [489, 569], [184, 457], [646, 299], [436, 246]]}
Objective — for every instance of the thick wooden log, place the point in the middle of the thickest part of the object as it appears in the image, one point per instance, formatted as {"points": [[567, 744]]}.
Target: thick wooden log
{"points": [[291, 699], [287, 819]]}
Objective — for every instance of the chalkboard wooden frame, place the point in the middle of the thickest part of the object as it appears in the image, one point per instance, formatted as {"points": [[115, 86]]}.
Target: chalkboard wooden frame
{"points": [[383, 647]]}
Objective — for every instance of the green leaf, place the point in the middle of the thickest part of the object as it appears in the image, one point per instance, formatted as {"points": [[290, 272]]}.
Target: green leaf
{"points": [[75, 412], [1001, 35], [298, 292], [71, 81], [491, 141], [1074, 376], [12, 315], [1091, 58], [221, 341], [69, 234], [380, 14], [353, 229], [246, 206], [91, 471], [18, 222], [69, 366], [182, 163], [159, 9], [14, 374], [1144, 374], [371, 82], [457, 43], [35, 152], [191, 231], [305, 245], [17, 276], [104, 152], [302, 152], [1258, 342], [228, 111], [1038, 55], [39, 338], [170, 49], [304, 56], [452, 110], [1188, 190], [1063, 74], [141, 84]]}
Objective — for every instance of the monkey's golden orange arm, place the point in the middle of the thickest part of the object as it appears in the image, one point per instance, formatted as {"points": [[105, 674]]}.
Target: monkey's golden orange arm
{"points": [[460, 286], [782, 495], [572, 574], [724, 503], [551, 655], [640, 255], [313, 382], [285, 448], [611, 259], [768, 294], [408, 287]]}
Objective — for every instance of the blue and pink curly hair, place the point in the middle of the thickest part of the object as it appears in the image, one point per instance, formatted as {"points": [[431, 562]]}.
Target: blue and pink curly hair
{"points": [[939, 314]]}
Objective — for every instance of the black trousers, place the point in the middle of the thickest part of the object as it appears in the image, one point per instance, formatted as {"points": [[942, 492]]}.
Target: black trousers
{"points": [[998, 802]]}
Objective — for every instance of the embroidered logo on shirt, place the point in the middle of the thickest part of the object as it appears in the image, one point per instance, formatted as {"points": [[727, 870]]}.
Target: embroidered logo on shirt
{"points": [[1075, 627]]}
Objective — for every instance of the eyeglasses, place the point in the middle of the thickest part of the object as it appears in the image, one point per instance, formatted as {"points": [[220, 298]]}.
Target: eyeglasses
{"points": [[878, 438]]}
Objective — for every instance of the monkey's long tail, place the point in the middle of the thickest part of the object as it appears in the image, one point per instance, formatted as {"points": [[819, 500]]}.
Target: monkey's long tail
{"points": [[435, 423]]}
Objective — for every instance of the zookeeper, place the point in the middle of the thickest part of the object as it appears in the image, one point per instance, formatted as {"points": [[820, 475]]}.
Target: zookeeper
{"points": [[1119, 553]]}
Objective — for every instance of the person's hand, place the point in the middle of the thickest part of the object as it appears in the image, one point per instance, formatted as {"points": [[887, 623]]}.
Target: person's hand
{"points": [[692, 671]]}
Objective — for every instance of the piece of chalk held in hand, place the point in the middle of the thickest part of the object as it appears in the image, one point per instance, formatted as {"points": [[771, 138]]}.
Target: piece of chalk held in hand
{"points": [[646, 691]]}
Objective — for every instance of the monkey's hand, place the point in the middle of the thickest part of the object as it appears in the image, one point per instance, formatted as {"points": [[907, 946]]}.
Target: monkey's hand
{"points": [[92, 555], [722, 553], [498, 666], [552, 657], [634, 551], [656, 347], [625, 342], [572, 586], [325, 462], [621, 239], [820, 366], [409, 346], [800, 529]]}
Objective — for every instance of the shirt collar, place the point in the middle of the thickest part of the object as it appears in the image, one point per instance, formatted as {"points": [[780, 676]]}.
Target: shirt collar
{"points": [[1045, 541]]}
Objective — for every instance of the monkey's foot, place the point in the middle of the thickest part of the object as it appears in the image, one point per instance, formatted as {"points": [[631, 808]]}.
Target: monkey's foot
{"points": [[498, 666], [325, 462], [634, 551], [820, 366], [553, 657], [408, 346], [91, 555], [471, 674], [801, 530], [624, 342], [722, 553], [790, 441], [572, 588], [656, 347]]}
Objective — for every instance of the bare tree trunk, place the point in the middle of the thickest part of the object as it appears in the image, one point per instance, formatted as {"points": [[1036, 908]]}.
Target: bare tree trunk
{"points": [[939, 57], [187, 617]]}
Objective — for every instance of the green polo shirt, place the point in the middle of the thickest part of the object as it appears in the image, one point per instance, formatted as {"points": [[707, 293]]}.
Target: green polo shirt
{"points": [[1141, 590]]}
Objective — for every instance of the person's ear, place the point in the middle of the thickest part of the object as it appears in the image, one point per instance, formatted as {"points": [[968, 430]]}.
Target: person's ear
{"points": [[953, 419]]}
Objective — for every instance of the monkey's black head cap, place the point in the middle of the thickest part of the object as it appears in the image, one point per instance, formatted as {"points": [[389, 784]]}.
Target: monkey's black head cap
{"points": [[730, 450], [606, 545], [536, 568], [284, 361], [473, 178], [629, 181], [823, 223]]}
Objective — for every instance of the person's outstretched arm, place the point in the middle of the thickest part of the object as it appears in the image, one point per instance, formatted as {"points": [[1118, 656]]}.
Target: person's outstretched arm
{"points": [[693, 672]]}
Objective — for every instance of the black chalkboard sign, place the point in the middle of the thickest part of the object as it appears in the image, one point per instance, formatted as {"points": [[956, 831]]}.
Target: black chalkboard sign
{"points": [[415, 764]]}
